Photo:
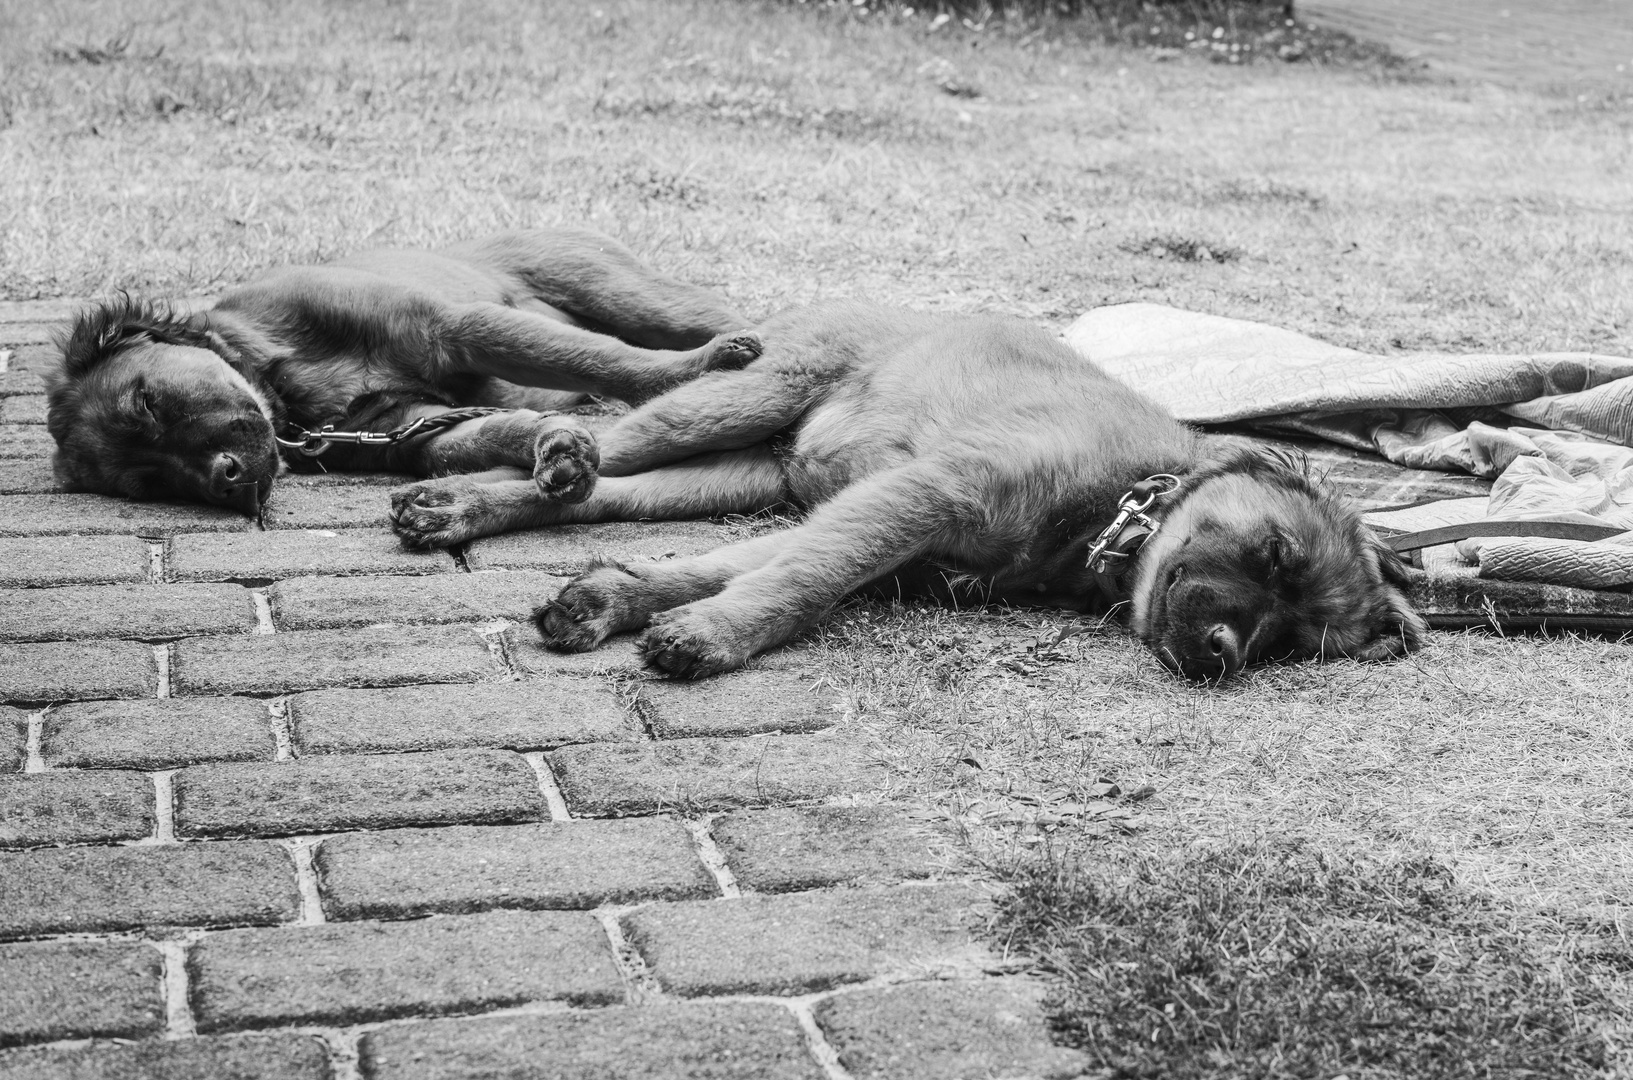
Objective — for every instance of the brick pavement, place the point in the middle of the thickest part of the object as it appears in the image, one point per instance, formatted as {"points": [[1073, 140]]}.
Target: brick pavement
{"points": [[292, 802]]}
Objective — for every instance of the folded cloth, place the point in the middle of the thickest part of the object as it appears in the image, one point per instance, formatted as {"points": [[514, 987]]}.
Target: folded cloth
{"points": [[1553, 429]]}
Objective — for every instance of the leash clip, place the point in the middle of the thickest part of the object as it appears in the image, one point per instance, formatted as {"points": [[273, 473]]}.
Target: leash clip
{"points": [[1131, 508], [313, 443]]}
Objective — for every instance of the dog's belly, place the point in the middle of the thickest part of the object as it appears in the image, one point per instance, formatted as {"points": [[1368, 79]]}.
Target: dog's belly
{"points": [[839, 442]]}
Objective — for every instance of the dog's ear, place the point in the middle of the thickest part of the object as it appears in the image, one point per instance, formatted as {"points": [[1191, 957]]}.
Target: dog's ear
{"points": [[1394, 628]]}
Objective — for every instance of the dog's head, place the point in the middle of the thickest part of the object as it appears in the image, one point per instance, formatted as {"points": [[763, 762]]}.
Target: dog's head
{"points": [[1256, 561], [150, 405]]}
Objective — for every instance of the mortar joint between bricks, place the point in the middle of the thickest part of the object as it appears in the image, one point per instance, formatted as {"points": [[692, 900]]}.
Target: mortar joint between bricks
{"points": [[553, 798], [164, 808], [34, 756], [178, 1009], [628, 692], [155, 562], [161, 662], [283, 734], [816, 1042], [494, 634], [263, 611], [345, 1053], [711, 855], [306, 879], [640, 985]]}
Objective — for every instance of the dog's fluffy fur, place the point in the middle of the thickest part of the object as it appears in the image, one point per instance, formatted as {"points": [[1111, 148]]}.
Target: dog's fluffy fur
{"points": [[936, 451], [151, 403]]}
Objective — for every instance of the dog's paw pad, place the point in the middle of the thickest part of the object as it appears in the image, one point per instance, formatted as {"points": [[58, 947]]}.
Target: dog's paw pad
{"points": [[676, 648], [591, 607], [564, 463], [562, 628], [736, 350], [436, 514]]}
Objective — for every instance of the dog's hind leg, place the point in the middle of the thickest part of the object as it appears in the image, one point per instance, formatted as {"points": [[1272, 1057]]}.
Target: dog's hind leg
{"points": [[725, 410], [869, 529], [454, 509], [600, 281], [533, 350]]}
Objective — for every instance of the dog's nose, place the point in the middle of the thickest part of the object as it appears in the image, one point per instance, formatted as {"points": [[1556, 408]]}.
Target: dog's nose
{"points": [[1225, 646], [1216, 653], [231, 484], [226, 473]]}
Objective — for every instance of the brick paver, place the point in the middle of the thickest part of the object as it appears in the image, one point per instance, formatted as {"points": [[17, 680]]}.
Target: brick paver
{"points": [[24, 441], [53, 515], [708, 774], [325, 794], [531, 715], [75, 890], [142, 612], [13, 739], [23, 409], [38, 809], [789, 848], [297, 503], [744, 703], [581, 864], [931, 1031], [314, 659], [713, 1041], [354, 972], [231, 1057], [156, 734], [75, 670], [72, 560], [797, 943], [77, 990], [27, 476], [566, 549], [268, 556], [314, 603]]}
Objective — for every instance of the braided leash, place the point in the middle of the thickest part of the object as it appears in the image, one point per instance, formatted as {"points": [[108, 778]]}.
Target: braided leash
{"points": [[313, 443]]}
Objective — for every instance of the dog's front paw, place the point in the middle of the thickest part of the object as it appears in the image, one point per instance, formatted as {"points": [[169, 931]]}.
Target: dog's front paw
{"points": [[438, 513], [591, 608], [689, 646], [565, 459], [731, 351]]}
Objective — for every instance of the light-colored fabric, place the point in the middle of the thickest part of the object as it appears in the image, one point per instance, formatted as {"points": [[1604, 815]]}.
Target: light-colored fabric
{"points": [[1553, 430]]}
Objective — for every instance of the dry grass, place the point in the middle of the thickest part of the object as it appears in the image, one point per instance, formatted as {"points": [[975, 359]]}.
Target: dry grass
{"points": [[783, 152]]}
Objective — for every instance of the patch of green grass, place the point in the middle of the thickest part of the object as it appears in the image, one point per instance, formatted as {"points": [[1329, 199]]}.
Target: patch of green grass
{"points": [[1281, 960]]}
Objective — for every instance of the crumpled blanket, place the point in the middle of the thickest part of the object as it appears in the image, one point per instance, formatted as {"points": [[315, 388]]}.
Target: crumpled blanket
{"points": [[1553, 430]]}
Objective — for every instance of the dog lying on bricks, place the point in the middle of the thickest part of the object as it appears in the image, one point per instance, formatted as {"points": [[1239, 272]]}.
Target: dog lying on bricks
{"points": [[152, 404], [946, 455]]}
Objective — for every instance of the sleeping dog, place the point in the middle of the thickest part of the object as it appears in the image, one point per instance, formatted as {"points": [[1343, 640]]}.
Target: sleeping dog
{"points": [[949, 455], [149, 403]]}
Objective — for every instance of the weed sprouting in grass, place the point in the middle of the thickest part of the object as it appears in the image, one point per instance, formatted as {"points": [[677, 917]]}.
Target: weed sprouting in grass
{"points": [[1182, 249], [1275, 959], [106, 53]]}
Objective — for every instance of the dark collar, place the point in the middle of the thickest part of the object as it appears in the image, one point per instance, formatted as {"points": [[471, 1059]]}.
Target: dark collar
{"points": [[1111, 556]]}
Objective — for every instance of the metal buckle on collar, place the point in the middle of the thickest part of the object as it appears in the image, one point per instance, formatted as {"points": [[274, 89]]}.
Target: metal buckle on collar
{"points": [[1110, 552]]}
